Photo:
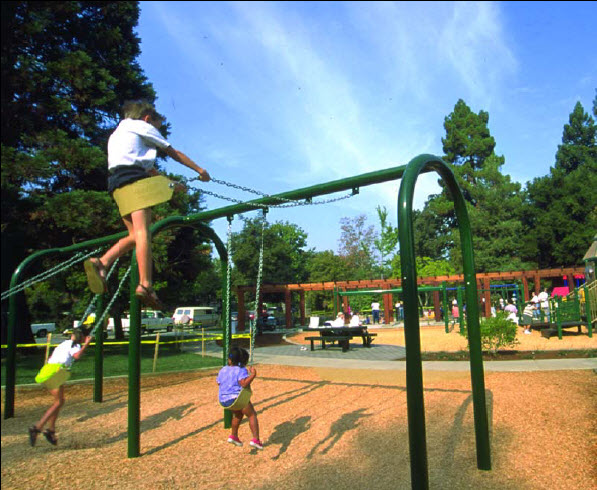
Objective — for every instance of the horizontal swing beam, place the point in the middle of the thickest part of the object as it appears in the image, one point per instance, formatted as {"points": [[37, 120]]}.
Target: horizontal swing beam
{"points": [[384, 291], [349, 183]]}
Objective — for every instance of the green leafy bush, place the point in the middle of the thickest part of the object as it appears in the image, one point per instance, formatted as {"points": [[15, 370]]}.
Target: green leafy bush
{"points": [[497, 332]]}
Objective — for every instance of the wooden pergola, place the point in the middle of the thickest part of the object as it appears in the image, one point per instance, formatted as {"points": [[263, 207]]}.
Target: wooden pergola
{"points": [[484, 281]]}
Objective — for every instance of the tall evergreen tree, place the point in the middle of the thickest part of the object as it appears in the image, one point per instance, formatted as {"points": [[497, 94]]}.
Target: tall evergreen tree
{"points": [[494, 202], [67, 68], [561, 209]]}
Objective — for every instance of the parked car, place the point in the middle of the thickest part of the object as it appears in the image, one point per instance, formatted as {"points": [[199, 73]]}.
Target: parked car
{"points": [[196, 316], [42, 329], [249, 316], [150, 320]]}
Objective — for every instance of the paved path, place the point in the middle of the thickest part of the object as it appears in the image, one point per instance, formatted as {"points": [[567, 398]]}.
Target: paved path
{"points": [[391, 357]]}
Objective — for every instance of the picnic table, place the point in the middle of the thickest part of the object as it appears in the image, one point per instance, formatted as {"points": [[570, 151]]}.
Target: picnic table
{"points": [[342, 335]]}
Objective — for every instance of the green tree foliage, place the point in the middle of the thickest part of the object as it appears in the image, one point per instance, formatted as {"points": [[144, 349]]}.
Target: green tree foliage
{"points": [[561, 210], [284, 253], [386, 242], [357, 247], [494, 202], [326, 266], [67, 67]]}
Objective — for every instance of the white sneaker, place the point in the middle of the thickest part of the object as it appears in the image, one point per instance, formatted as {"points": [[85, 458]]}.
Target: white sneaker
{"points": [[234, 440], [528, 332], [256, 443]]}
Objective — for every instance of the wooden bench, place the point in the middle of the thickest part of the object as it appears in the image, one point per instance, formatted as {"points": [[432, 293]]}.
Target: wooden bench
{"points": [[343, 341], [369, 337]]}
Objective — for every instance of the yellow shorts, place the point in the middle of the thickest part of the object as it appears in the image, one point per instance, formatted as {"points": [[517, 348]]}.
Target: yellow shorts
{"points": [[143, 194], [52, 376]]}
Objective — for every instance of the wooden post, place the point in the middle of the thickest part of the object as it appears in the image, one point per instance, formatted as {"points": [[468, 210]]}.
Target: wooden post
{"points": [[302, 305], [288, 307], [155, 352], [487, 296], [48, 344], [202, 342], [436, 306], [525, 287]]}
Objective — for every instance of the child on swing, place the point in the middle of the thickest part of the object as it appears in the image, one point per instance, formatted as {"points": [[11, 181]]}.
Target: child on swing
{"points": [[53, 375], [233, 379], [134, 185]]}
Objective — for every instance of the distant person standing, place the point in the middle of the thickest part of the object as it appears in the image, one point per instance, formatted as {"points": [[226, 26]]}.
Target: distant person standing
{"points": [[536, 306], [399, 311], [544, 302], [375, 312]]}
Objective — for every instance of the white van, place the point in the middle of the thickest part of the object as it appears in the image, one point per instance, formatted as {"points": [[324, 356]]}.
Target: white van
{"points": [[204, 316]]}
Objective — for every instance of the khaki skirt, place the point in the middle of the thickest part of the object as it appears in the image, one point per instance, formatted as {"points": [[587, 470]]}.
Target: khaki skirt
{"points": [[143, 194]]}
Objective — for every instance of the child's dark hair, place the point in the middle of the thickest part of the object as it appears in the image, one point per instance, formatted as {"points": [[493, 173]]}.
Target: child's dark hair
{"points": [[138, 109], [238, 356], [80, 333]]}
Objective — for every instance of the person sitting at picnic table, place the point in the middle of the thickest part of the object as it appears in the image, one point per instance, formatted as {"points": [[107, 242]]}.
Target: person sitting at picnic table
{"points": [[355, 321], [338, 322]]}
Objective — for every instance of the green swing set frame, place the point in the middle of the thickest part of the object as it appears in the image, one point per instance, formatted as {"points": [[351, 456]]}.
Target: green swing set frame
{"points": [[415, 400]]}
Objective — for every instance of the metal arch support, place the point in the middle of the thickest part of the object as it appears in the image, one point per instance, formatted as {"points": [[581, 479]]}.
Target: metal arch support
{"points": [[414, 375]]}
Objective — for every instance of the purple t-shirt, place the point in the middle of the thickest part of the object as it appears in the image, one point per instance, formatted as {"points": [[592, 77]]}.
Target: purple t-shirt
{"points": [[229, 380]]}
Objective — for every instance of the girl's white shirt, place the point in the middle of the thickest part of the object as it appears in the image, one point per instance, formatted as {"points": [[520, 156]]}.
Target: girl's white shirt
{"points": [[64, 354], [134, 142]]}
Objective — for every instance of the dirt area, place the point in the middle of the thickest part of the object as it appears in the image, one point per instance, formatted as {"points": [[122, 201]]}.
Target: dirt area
{"points": [[322, 429]]}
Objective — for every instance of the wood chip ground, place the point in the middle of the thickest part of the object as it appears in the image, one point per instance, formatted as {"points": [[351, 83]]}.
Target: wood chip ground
{"points": [[322, 429]]}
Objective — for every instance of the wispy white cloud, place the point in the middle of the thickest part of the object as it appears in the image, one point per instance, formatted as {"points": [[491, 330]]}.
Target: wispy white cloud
{"points": [[473, 41]]}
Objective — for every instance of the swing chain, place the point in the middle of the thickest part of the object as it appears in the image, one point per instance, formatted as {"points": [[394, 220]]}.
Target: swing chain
{"points": [[289, 202], [258, 286], [49, 273], [98, 323], [228, 275]]}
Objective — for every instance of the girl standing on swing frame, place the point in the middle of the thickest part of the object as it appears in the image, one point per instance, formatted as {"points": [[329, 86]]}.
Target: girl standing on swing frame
{"points": [[136, 187]]}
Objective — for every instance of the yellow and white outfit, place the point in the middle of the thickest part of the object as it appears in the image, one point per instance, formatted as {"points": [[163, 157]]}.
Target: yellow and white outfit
{"points": [[56, 372]]}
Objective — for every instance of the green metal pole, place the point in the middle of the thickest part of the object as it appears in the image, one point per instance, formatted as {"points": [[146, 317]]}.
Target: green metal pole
{"points": [[445, 299], [414, 379], [98, 377], [461, 322], [588, 311], [414, 367], [11, 354], [134, 405]]}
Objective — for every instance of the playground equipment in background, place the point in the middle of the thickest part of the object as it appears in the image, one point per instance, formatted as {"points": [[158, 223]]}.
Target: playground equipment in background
{"points": [[574, 310]]}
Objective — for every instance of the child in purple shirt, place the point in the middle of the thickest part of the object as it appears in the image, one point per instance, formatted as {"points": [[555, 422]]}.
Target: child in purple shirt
{"points": [[232, 379]]}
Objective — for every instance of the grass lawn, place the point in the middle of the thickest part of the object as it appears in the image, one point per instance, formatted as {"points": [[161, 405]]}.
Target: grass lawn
{"points": [[170, 358]]}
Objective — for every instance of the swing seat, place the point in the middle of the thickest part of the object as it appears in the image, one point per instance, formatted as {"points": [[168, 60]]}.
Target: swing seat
{"points": [[242, 400]]}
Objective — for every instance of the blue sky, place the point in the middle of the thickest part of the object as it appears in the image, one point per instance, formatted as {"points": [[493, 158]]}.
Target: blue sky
{"points": [[278, 96]]}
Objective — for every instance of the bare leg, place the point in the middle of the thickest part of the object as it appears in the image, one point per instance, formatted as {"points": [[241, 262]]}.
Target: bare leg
{"points": [[141, 221], [122, 246], [237, 417], [52, 413], [250, 412]]}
